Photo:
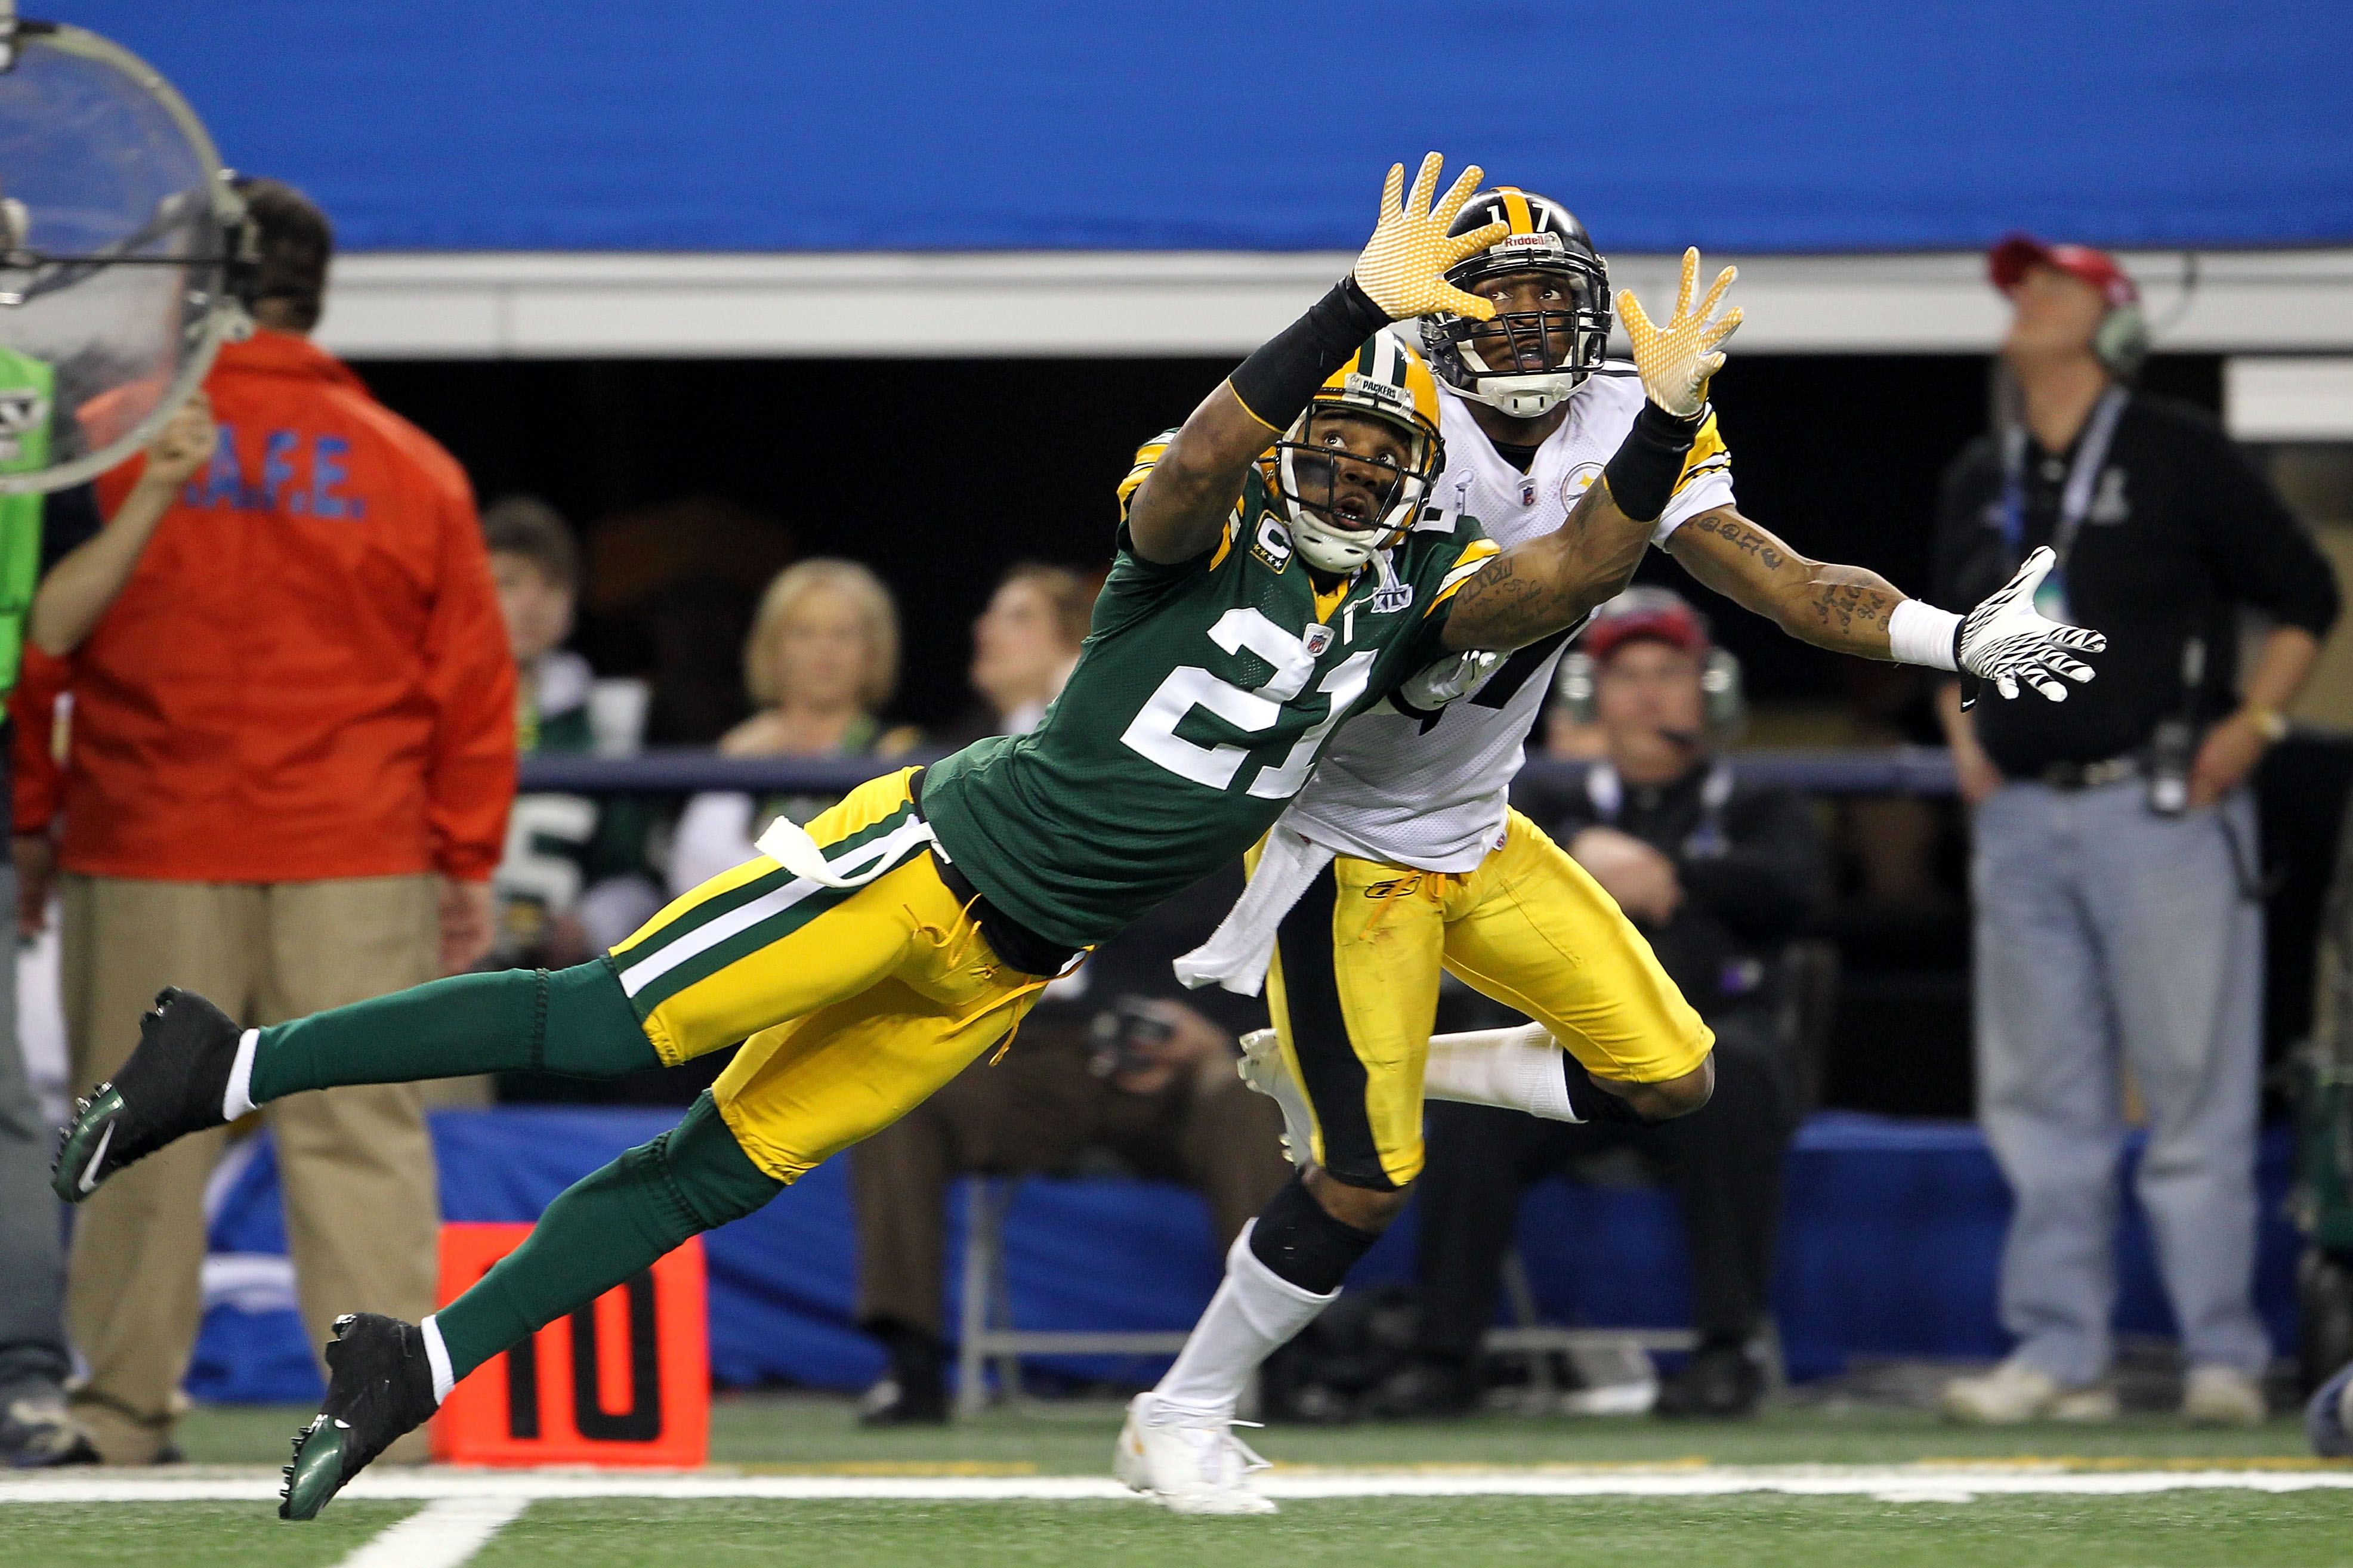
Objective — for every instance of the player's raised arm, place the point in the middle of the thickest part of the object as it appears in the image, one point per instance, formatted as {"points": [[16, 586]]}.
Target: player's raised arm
{"points": [[1544, 585], [1191, 491], [1850, 609]]}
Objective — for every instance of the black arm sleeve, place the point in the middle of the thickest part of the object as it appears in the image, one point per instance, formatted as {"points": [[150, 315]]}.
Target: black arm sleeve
{"points": [[68, 520], [1769, 881], [1276, 382], [2256, 543]]}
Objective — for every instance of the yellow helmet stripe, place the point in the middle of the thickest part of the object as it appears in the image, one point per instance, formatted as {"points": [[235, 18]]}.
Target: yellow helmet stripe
{"points": [[1515, 207]]}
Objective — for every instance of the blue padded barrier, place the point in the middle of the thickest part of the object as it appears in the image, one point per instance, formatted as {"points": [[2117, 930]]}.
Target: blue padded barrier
{"points": [[1889, 1248]]}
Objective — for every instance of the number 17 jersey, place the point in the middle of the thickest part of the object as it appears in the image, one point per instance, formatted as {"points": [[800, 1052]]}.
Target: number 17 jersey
{"points": [[1202, 698]]}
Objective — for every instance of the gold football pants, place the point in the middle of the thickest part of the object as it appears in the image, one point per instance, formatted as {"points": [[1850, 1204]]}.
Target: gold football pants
{"points": [[1354, 987], [853, 1004]]}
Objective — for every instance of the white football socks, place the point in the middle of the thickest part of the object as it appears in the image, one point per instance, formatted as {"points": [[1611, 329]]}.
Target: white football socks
{"points": [[1254, 1313], [237, 1100], [1520, 1068]]}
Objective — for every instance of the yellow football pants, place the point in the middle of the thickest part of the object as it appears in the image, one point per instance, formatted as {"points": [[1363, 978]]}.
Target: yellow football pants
{"points": [[1354, 987], [853, 1004]]}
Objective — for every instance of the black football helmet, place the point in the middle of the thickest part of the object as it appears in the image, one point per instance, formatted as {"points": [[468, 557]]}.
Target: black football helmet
{"points": [[1546, 238]]}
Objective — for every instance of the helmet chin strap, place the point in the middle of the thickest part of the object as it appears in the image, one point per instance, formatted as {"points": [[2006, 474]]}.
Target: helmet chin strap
{"points": [[1526, 396], [1327, 550]]}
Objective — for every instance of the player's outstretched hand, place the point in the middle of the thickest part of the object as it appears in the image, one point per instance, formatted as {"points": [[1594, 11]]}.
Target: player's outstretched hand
{"points": [[1677, 359], [2007, 640], [1403, 269]]}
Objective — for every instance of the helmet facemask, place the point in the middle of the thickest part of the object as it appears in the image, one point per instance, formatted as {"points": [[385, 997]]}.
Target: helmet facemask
{"points": [[1488, 360], [1345, 505]]}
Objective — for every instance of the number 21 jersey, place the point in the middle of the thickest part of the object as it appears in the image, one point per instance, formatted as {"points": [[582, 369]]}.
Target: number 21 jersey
{"points": [[1202, 698]]}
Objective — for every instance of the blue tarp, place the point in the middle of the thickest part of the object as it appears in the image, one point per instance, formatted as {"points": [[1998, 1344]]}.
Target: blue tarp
{"points": [[1889, 1248], [924, 124]]}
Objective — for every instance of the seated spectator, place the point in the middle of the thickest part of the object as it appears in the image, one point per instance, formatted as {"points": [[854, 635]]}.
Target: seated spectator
{"points": [[822, 662], [1719, 874], [574, 879], [1111, 1059], [1024, 647]]}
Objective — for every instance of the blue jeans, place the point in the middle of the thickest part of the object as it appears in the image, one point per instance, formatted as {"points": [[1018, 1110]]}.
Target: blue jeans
{"points": [[2107, 934]]}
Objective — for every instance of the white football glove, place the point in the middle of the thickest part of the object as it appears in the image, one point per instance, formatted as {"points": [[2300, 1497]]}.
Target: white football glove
{"points": [[1677, 359], [2006, 639], [1450, 680]]}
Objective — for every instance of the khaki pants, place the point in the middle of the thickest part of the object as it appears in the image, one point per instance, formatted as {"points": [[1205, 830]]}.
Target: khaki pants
{"points": [[356, 1166]]}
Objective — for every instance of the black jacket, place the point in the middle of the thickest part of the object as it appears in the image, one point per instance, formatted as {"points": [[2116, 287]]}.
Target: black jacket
{"points": [[2182, 532], [1750, 859]]}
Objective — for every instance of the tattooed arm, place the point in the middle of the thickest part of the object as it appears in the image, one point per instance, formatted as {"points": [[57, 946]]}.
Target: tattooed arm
{"points": [[1543, 585], [1842, 608]]}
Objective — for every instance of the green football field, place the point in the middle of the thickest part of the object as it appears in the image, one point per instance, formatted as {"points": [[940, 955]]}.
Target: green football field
{"points": [[794, 1479]]}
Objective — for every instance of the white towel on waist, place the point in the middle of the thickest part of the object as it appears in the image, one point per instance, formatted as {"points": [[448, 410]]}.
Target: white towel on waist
{"points": [[1237, 954]]}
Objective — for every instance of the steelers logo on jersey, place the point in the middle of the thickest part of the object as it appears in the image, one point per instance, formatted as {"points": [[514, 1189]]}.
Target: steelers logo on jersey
{"points": [[1577, 481]]}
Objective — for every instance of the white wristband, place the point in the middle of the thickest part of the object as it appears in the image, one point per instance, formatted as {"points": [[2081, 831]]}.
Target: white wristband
{"points": [[1922, 634]]}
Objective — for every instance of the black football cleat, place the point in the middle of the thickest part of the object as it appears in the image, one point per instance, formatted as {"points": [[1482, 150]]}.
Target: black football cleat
{"points": [[171, 1086], [379, 1388]]}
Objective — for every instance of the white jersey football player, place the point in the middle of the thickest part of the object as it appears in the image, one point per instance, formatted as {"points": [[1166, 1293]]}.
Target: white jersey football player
{"points": [[1402, 857]]}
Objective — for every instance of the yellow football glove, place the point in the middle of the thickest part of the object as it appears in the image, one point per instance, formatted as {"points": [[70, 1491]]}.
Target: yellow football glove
{"points": [[1403, 269], [1675, 360]]}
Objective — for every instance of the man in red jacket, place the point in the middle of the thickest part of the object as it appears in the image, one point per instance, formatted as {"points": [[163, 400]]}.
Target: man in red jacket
{"points": [[293, 747]]}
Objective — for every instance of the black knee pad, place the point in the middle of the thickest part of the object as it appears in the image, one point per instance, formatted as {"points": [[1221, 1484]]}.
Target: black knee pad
{"points": [[1303, 1245], [704, 1173]]}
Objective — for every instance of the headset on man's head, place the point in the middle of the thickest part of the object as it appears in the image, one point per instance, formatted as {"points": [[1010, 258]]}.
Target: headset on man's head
{"points": [[1665, 616]]}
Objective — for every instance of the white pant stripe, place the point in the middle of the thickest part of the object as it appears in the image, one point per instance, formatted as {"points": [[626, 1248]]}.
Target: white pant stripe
{"points": [[636, 976]]}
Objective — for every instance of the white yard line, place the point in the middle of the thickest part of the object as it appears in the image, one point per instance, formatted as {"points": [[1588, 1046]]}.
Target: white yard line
{"points": [[442, 1534], [1903, 1483]]}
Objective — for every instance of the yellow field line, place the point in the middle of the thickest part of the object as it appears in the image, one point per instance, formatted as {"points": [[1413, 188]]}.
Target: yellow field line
{"points": [[887, 1468]]}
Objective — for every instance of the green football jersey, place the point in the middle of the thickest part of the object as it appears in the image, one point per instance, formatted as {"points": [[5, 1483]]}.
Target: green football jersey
{"points": [[1202, 698]]}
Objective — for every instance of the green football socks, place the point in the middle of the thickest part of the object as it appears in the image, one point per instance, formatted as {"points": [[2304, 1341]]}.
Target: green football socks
{"points": [[605, 1228], [573, 1021]]}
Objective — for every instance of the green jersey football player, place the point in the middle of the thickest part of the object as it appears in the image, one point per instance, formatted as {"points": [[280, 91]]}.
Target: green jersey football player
{"points": [[1274, 573]]}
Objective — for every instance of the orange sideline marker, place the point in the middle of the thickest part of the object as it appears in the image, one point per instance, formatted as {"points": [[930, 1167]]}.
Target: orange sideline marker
{"points": [[624, 1380]]}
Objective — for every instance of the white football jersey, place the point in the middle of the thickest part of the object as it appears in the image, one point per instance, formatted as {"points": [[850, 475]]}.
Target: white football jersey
{"points": [[1432, 794]]}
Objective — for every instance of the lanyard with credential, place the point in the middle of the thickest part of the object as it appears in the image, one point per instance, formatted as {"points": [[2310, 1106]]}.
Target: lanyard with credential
{"points": [[2075, 501]]}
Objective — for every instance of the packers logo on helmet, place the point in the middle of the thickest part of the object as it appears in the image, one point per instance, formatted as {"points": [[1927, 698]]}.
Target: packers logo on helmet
{"points": [[1526, 360], [1349, 493]]}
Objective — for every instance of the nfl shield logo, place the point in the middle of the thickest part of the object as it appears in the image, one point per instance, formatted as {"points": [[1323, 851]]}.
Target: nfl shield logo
{"points": [[1528, 492], [1317, 639]]}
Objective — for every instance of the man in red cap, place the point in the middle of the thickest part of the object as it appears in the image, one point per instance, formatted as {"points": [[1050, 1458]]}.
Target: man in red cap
{"points": [[2114, 841]]}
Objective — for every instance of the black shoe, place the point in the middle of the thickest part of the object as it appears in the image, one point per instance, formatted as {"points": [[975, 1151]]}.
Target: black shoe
{"points": [[171, 1086], [37, 1432], [914, 1392], [894, 1400], [1423, 1391], [1721, 1381], [379, 1388]]}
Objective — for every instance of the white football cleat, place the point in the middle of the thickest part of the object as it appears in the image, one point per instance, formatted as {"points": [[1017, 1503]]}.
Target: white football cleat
{"points": [[2223, 1397], [1186, 1462], [2014, 1392], [1263, 1069]]}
